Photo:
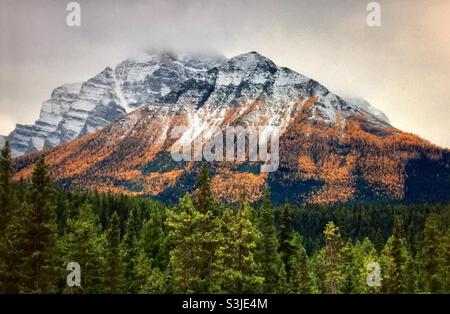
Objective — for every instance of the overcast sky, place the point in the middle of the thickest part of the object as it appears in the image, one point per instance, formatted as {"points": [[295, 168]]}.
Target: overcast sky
{"points": [[402, 67]]}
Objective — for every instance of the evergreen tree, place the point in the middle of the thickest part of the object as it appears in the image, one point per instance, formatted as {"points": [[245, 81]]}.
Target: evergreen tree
{"points": [[5, 186], [287, 248], [333, 258], [153, 240], [235, 268], [85, 244], [356, 259], [6, 209], [39, 252], [203, 197], [446, 259], [270, 264], [193, 238], [394, 259], [301, 276], [151, 279], [114, 272], [130, 253], [12, 272], [432, 257]]}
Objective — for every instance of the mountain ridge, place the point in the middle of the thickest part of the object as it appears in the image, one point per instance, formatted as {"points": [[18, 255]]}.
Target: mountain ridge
{"points": [[330, 150]]}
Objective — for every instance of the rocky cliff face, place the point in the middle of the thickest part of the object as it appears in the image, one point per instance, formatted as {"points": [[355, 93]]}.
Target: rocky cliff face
{"points": [[77, 109]]}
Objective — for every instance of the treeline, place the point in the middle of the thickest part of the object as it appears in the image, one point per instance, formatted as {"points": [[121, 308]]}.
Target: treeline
{"points": [[136, 245]]}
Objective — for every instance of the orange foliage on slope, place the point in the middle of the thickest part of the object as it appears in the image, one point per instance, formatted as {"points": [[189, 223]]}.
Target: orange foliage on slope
{"points": [[234, 186]]}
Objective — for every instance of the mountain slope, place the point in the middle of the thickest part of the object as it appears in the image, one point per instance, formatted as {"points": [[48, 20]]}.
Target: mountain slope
{"points": [[330, 150], [77, 109]]}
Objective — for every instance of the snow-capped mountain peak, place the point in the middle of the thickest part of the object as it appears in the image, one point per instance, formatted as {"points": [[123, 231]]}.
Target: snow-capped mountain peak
{"points": [[209, 87]]}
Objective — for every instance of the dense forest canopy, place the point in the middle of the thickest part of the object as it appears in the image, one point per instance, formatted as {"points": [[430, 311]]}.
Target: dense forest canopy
{"points": [[130, 244]]}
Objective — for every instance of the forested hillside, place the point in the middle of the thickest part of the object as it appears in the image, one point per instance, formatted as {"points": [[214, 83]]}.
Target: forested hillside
{"points": [[133, 244]]}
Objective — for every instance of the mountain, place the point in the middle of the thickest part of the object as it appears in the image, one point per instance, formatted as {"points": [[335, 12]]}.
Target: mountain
{"points": [[2, 141], [330, 149], [368, 108], [77, 109]]}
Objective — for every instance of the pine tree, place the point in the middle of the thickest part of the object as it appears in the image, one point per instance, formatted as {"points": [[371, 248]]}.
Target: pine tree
{"points": [[151, 279], [270, 264], [356, 258], [446, 258], [153, 240], [235, 267], [38, 260], [333, 258], [193, 238], [203, 197], [16, 240], [5, 186], [7, 205], [432, 258], [114, 272], [85, 244], [301, 276], [287, 248], [130, 254], [394, 259]]}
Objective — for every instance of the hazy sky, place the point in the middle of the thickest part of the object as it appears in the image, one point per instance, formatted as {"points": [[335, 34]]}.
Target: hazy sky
{"points": [[402, 67]]}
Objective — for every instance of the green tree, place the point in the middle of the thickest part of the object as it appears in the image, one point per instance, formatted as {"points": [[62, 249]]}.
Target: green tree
{"points": [[356, 259], [269, 260], [394, 259], [130, 253], [85, 244], [38, 255], [16, 240], [333, 258], [301, 276], [203, 197], [114, 269], [6, 210], [153, 240], [288, 249], [432, 257], [192, 237], [5, 186], [235, 269], [151, 279]]}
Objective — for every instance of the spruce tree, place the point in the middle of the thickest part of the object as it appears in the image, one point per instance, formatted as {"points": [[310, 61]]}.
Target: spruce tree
{"points": [[333, 258], [432, 257], [268, 257], [6, 211], [16, 240], [38, 260], [287, 248], [203, 197], [5, 186], [235, 268], [130, 253], [85, 244], [394, 260], [153, 240], [193, 239], [301, 276], [114, 272]]}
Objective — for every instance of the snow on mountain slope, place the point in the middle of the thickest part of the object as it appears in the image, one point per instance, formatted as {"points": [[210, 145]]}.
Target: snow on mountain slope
{"points": [[26, 138], [77, 109], [368, 108], [2, 141], [210, 87], [254, 91], [330, 149]]}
